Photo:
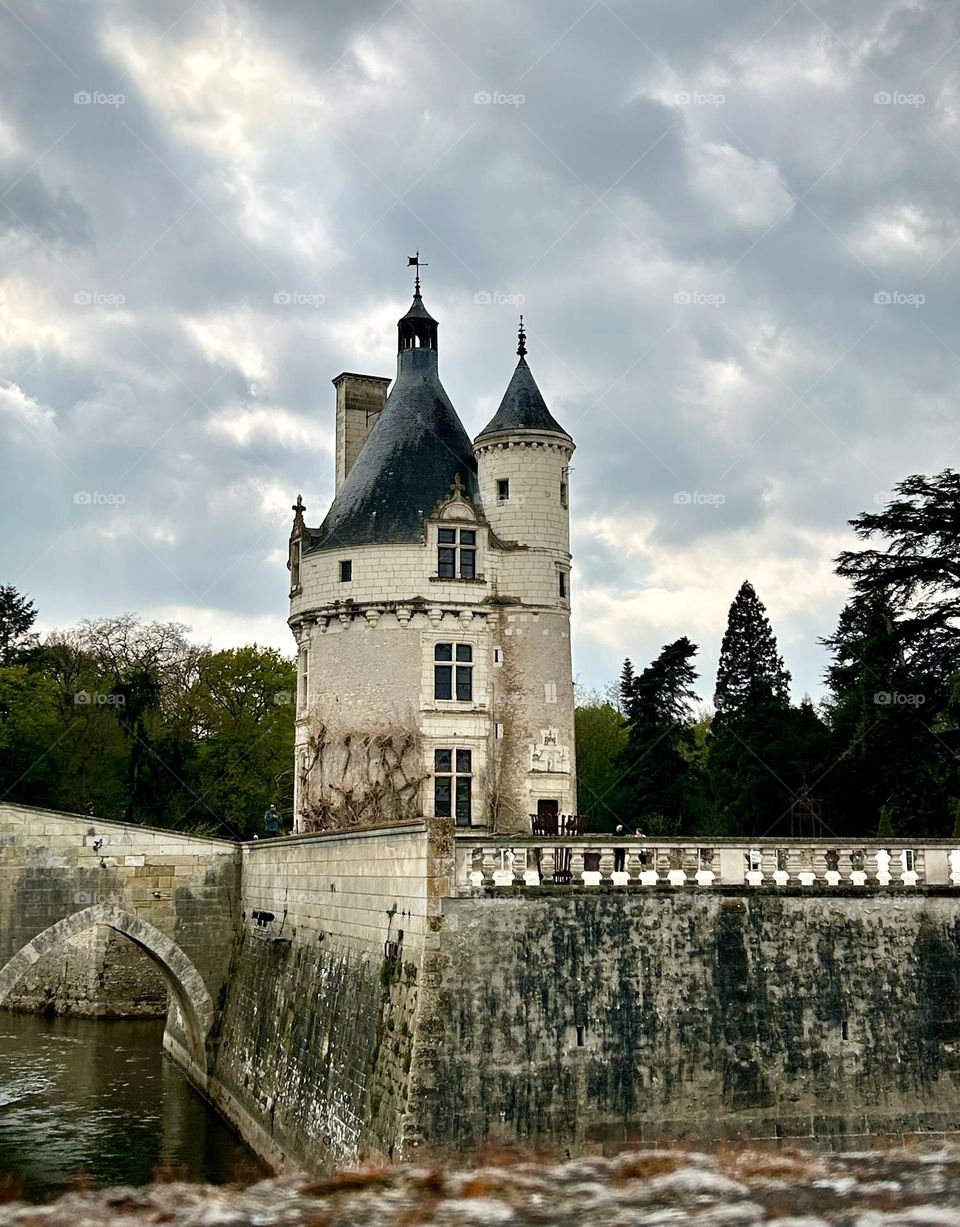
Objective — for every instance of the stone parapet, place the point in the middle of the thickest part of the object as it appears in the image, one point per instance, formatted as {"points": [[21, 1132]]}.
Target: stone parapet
{"points": [[591, 861]]}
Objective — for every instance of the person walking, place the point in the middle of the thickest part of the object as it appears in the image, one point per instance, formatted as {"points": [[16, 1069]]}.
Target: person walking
{"points": [[271, 822]]}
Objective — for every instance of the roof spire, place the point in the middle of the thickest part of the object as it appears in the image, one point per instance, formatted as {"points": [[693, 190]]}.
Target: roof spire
{"points": [[416, 262], [522, 339]]}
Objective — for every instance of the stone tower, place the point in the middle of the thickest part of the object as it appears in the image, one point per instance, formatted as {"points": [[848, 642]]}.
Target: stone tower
{"points": [[431, 608]]}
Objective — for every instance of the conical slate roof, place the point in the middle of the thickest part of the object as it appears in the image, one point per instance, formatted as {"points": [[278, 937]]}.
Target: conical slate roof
{"points": [[417, 311], [406, 466], [522, 407]]}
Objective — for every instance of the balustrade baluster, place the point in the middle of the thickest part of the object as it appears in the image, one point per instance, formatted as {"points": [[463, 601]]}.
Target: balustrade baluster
{"points": [[754, 873], [548, 863], [675, 873]]}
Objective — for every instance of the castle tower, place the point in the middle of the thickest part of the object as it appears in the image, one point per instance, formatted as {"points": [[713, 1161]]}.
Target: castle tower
{"points": [[523, 464], [432, 617]]}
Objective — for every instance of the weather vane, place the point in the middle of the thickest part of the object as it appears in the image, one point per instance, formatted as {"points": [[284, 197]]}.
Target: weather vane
{"points": [[416, 262]]}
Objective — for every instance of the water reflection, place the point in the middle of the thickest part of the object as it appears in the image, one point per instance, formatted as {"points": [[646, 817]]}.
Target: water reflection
{"points": [[87, 1096]]}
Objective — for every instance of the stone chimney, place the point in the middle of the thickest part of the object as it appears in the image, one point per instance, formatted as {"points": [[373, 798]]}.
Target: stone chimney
{"points": [[359, 401]]}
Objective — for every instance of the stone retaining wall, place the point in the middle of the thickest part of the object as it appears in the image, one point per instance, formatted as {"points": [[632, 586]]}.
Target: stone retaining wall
{"points": [[316, 1041]]}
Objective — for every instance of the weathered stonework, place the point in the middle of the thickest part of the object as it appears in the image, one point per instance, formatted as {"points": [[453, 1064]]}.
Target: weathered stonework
{"points": [[386, 991], [99, 973], [370, 601], [318, 1027], [175, 896], [616, 1017]]}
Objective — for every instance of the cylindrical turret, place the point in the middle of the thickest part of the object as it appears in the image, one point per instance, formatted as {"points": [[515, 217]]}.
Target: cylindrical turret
{"points": [[523, 467]]}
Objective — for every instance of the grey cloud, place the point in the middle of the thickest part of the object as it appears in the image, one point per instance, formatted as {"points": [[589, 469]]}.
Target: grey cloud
{"points": [[303, 196]]}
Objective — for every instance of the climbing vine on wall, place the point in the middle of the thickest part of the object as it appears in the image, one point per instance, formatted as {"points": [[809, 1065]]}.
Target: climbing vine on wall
{"points": [[507, 814], [361, 778]]}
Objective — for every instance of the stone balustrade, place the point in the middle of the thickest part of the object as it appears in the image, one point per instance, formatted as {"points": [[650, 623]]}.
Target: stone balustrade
{"points": [[533, 861]]}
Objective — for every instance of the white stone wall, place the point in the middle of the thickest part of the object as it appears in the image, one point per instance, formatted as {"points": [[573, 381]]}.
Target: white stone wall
{"points": [[533, 515], [364, 678], [342, 886], [366, 645]]}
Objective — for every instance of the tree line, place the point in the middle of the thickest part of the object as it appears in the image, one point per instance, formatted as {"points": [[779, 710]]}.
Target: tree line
{"points": [[145, 725], [134, 719], [878, 755]]}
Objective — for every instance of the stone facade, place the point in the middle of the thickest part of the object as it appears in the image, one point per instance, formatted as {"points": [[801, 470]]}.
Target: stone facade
{"points": [[375, 605], [608, 1019]]}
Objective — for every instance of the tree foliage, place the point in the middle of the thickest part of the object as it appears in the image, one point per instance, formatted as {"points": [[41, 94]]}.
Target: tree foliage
{"points": [[750, 736], [147, 725], [658, 760]]}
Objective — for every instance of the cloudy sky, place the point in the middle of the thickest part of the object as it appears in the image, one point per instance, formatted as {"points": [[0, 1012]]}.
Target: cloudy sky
{"points": [[732, 227]]}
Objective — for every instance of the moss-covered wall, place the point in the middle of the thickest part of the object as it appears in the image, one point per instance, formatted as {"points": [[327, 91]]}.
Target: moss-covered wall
{"points": [[316, 1035], [610, 1017]]}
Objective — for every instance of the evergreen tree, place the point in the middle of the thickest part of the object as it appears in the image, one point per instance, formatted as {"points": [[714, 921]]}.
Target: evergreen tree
{"points": [[888, 718], [626, 685], [917, 573], [749, 731], [17, 615], [659, 777]]}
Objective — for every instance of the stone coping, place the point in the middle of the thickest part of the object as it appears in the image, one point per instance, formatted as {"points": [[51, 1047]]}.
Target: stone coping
{"points": [[607, 840], [664, 890], [317, 837], [111, 824]]}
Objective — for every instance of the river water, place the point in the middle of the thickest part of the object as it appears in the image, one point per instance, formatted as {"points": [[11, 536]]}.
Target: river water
{"points": [[89, 1101]]}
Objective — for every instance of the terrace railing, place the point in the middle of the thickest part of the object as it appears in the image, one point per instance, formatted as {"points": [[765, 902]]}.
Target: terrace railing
{"points": [[530, 862]]}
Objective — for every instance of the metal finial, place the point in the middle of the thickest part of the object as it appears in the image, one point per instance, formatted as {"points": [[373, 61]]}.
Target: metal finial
{"points": [[521, 339], [416, 262]]}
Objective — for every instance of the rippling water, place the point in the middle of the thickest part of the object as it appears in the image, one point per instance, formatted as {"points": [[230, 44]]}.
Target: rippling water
{"points": [[84, 1099]]}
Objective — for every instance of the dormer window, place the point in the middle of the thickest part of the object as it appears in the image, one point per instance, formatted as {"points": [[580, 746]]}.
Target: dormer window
{"points": [[295, 564], [503, 489], [457, 553]]}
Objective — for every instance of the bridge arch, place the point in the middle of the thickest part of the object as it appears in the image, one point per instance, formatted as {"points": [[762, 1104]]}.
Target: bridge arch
{"points": [[182, 978]]}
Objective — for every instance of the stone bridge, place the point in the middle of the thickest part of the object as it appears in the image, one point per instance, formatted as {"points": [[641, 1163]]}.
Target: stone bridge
{"points": [[176, 896]]}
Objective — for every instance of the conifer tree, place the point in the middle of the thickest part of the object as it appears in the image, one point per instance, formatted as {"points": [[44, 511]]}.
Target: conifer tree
{"points": [[886, 714], [626, 686], [657, 762], [750, 728]]}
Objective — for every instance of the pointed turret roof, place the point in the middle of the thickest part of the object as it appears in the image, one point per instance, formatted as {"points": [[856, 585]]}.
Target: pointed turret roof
{"points": [[523, 406], [410, 459]]}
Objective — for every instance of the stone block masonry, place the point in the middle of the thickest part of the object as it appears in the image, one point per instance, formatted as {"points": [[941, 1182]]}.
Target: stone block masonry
{"points": [[99, 973], [597, 1020], [317, 1033], [383, 992]]}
